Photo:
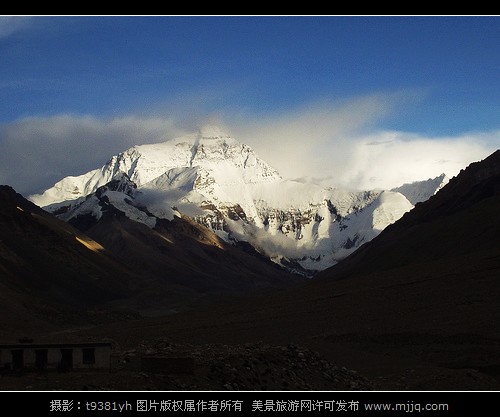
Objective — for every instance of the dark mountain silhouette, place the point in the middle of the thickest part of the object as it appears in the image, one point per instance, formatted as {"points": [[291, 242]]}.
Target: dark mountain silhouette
{"points": [[53, 275], [416, 308], [48, 268]]}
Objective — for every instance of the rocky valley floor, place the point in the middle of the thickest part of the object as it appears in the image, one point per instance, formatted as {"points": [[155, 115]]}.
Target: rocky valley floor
{"points": [[256, 367]]}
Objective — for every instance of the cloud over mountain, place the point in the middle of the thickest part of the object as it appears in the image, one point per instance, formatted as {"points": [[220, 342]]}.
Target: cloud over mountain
{"points": [[38, 151], [327, 143], [343, 144]]}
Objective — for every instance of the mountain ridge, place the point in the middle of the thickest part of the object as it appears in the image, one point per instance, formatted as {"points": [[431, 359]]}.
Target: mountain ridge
{"points": [[416, 307], [55, 273], [225, 186]]}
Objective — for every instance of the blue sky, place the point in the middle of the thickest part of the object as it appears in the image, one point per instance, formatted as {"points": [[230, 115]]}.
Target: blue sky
{"points": [[422, 78]]}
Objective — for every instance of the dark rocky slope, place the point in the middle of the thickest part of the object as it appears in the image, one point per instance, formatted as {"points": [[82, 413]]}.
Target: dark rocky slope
{"points": [[416, 308]]}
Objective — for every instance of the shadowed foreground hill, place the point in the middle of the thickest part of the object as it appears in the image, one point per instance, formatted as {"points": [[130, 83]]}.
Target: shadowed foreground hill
{"points": [[417, 308], [48, 269], [184, 253], [53, 275]]}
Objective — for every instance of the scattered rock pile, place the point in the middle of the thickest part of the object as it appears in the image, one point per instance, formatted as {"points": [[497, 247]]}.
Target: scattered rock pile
{"points": [[248, 367]]}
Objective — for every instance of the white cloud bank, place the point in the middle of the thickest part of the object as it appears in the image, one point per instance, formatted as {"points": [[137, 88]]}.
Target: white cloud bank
{"points": [[330, 144], [389, 159], [340, 146]]}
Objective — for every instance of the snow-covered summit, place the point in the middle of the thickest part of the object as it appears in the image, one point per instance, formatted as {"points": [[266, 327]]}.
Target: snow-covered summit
{"points": [[222, 184], [224, 159]]}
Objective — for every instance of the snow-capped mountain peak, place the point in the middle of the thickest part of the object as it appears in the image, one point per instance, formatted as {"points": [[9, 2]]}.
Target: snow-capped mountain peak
{"points": [[222, 157], [222, 184]]}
